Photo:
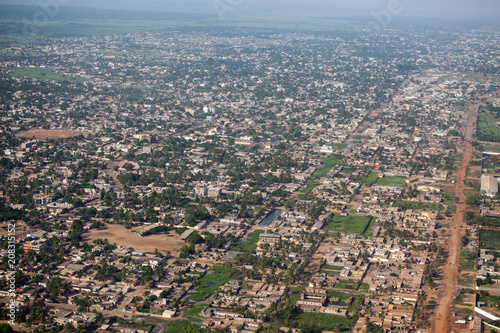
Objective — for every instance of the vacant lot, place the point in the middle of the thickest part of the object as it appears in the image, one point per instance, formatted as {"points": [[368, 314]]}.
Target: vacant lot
{"points": [[487, 129], [47, 134], [45, 74], [121, 236], [349, 224], [391, 181], [489, 239]]}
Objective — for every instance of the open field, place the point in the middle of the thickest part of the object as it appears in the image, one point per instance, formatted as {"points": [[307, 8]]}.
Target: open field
{"points": [[391, 181], [349, 224], [250, 243], [211, 282], [47, 134], [489, 239], [487, 128], [45, 74], [121, 236]]}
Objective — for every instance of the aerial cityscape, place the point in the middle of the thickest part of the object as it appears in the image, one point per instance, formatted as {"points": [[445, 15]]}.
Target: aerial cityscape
{"points": [[201, 173]]}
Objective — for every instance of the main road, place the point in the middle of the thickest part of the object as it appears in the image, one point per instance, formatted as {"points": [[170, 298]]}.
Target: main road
{"points": [[449, 281]]}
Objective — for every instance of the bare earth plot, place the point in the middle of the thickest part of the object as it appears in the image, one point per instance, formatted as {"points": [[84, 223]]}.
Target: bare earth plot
{"points": [[121, 236], [47, 134]]}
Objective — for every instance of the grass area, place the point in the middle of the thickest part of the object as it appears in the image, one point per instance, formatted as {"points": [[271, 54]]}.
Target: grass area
{"points": [[333, 268], [490, 301], [194, 309], [250, 244], [312, 322], [450, 209], [487, 128], [221, 276], [404, 205], [311, 185], [329, 164], [339, 146], [492, 149], [347, 284], [349, 224], [391, 181], [320, 173], [45, 74], [489, 239], [364, 287], [342, 296], [449, 198], [187, 327], [468, 260], [371, 179]]}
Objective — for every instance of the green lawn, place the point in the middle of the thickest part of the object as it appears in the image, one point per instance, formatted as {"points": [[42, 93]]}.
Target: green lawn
{"points": [[489, 239], [250, 243], [349, 224], [318, 322], [333, 268], [391, 181], [346, 284], [194, 309], [451, 209], [493, 301], [342, 296], [418, 205], [487, 128], [371, 179], [449, 198], [185, 326], [467, 260], [45, 74], [320, 173], [221, 276]]}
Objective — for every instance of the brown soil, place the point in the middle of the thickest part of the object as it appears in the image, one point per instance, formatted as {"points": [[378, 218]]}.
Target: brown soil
{"points": [[47, 134], [448, 284], [121, 236]]}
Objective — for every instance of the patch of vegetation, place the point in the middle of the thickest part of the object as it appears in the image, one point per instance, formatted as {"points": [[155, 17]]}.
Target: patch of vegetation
{"points": [[468, 260], [194, 309], [187, 327], [405, 205], [340, 295], [449, 198], [349, 224], [45, 74], [487, 128], [489, 239], [249, 244], [220, 276], [391, 181], [314, 322], [320, 173], [347, 284], [333, 268], [371, 179]]}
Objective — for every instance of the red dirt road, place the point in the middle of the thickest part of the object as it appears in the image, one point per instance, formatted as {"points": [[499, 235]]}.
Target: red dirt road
{"points": [[448, 283]]}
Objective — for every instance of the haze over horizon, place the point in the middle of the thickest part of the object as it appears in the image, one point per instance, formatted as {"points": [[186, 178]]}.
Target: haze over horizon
{"points": [[446, 9]]}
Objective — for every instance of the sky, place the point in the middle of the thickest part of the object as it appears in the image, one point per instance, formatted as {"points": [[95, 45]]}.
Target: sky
{"points": [[452, 9]]}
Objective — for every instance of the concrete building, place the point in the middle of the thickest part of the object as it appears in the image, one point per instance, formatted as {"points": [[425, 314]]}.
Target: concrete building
{"points": [[489, 186]]}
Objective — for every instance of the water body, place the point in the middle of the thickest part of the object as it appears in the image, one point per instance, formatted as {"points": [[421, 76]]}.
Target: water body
{"points": [[210, 284], [270, 217]]}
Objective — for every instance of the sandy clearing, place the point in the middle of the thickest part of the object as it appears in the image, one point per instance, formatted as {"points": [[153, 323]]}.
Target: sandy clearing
{"points": [[47, 134], [120, 235]]}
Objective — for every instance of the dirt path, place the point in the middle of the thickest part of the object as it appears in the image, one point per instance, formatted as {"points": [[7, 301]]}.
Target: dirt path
{"points": [[448, 283]]}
